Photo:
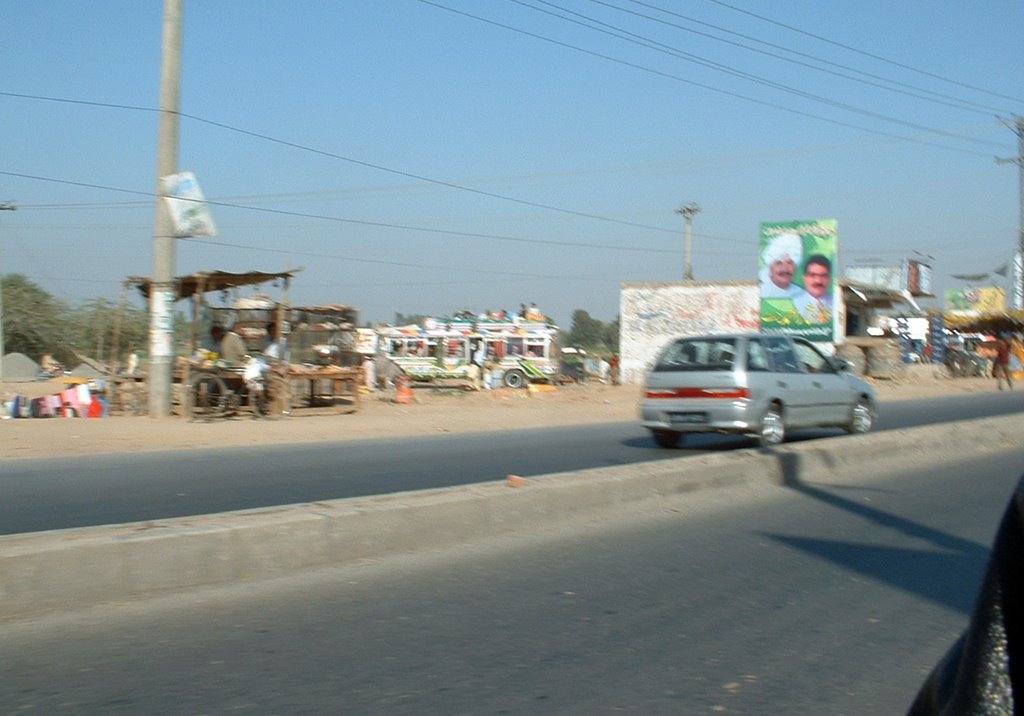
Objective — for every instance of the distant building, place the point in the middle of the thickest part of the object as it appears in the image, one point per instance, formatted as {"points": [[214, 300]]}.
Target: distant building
{"points": [[652, 314]]}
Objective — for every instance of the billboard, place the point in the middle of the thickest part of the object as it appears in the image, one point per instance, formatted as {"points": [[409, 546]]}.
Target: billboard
{"points": [[796, 278], [910, 275], [975, 301], [890, 277], [919, 278]]}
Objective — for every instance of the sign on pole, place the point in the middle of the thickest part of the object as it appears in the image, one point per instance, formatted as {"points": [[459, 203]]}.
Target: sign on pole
{"points": [[185, 203]]}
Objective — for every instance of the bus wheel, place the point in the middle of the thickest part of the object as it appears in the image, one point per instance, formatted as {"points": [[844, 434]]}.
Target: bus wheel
{"points": [[515, 378]]}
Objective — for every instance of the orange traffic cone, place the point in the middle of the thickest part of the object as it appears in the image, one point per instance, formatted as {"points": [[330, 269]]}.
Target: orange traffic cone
{"points": [[403, 391]]}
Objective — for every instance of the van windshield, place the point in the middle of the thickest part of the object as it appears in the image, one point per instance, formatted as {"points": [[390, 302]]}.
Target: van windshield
{"points": [[701, 354]]}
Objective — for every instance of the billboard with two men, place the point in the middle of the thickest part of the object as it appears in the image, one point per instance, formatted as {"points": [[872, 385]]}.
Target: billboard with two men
{"points": [[796, 277]]}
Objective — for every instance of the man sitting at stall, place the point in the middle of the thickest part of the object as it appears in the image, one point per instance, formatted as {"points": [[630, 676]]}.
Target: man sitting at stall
{"points": [[232, 347]]}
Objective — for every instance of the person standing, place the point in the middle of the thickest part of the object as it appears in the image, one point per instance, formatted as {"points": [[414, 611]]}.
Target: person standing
{"points": [[1001, 363], [479, 362]]}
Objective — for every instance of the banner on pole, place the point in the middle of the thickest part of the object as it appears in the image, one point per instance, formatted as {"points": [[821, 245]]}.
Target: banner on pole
{"points": [[189, 214]]}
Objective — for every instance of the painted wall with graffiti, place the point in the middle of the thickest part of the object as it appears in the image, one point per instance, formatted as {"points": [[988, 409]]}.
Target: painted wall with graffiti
{"points": [[652, 314]]}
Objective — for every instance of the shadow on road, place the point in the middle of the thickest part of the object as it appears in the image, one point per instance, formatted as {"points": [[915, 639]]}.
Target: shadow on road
{"points": [[947, 575]]}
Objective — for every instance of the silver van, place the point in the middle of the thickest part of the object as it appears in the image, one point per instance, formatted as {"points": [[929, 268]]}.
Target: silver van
{"points": [[751, 384]]}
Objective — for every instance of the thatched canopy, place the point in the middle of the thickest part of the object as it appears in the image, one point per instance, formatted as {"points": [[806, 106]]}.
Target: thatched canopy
{"points": [[204, 281]]}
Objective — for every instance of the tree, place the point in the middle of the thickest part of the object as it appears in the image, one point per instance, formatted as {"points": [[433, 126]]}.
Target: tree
{"points": [[34, 321], [611, 336], [92, 329], [402, 319], [586, 332]]}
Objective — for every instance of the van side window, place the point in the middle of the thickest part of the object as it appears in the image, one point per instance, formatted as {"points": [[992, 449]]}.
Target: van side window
{"points": [[698, 354], [782, 356], [681, 355], [812, 360], [757, 356]]}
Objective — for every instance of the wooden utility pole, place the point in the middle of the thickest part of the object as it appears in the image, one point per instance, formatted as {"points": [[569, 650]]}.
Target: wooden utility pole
{"points": [[163, 292], [1018, 274], [688, 211]]}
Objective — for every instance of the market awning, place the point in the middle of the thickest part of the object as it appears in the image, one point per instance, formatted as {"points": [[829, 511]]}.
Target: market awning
{"points": [[187, 286], [1003, 322]]}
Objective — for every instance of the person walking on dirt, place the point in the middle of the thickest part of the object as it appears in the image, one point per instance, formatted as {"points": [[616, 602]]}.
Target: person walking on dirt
{"points": [[477, 374], [1001, 364]]}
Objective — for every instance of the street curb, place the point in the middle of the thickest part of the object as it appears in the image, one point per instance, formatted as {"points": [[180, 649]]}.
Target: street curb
{"points": [[66, 569]]}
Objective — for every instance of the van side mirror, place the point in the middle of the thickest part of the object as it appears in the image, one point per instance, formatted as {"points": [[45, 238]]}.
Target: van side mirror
{"points": [[842, 365]]}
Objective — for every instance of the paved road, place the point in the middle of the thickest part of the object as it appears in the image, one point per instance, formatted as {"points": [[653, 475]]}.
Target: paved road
{"points": [[81, 492], [826, 599]]}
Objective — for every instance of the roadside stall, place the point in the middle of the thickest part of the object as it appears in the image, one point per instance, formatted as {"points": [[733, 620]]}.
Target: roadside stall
{"points": [[209, 386], [206, 385], [322, 356]]}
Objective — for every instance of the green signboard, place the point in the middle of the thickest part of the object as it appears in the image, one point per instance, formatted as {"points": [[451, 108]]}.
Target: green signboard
{"points": [[797, 278]]}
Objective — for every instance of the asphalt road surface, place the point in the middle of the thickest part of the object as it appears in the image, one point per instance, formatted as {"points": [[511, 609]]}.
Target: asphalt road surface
{"points": [[81, 492], [817, 600]]}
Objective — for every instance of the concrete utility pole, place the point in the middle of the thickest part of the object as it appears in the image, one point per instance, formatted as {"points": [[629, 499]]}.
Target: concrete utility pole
{"points": [[1018, 284], [163, 292], [688, 211], [3, 207]]}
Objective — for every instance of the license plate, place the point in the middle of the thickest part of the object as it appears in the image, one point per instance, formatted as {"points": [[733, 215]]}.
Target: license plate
{"points": [[688, 417]]}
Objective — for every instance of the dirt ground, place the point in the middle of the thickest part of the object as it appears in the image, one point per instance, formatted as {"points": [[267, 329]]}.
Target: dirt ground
{"points": [[434, 411]]}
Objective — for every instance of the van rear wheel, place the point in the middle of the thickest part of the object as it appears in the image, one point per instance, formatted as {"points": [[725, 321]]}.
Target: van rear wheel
{"points": [[667, 438], [773, 427]]}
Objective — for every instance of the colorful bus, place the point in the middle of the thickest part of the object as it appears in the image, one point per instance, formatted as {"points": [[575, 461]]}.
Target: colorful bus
{"points": [[518, 351]]}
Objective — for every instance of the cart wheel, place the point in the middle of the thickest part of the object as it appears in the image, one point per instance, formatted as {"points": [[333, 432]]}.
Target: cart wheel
{"points": [[207, 396]]}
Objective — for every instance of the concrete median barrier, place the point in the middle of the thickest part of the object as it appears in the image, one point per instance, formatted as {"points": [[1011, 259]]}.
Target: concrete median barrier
{"points": [[67, 569]]}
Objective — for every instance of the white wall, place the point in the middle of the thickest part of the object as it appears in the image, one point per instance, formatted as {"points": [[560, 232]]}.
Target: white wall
{"points": [[652, 314]]}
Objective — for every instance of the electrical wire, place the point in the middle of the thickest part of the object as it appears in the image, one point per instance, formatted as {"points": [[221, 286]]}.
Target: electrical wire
{"points": [[694, 83], [864, 53], [634, 38], [910, 90], [362, 222]]}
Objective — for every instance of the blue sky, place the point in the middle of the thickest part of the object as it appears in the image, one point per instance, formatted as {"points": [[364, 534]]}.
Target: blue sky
{"points": [[426, 157]]}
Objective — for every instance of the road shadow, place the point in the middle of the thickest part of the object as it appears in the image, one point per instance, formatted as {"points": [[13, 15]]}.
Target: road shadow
{"points": [[947, 574]]}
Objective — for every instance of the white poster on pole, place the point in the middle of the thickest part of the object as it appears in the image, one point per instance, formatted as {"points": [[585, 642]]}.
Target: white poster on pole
{"points": [[161, 329], [189, 214]]}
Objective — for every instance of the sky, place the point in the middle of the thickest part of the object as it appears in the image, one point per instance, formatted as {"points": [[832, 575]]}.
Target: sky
{"points": [[431, 156]]}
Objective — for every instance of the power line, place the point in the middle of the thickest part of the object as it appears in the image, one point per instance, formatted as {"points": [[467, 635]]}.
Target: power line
{"points": [[689, 57], [711, 88], [402, 264], [361, 222], [937, 97], [351, 160], [864, 53]]}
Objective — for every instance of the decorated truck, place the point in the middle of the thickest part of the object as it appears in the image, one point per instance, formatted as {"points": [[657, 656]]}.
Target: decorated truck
{"points": [[519, 351]]}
